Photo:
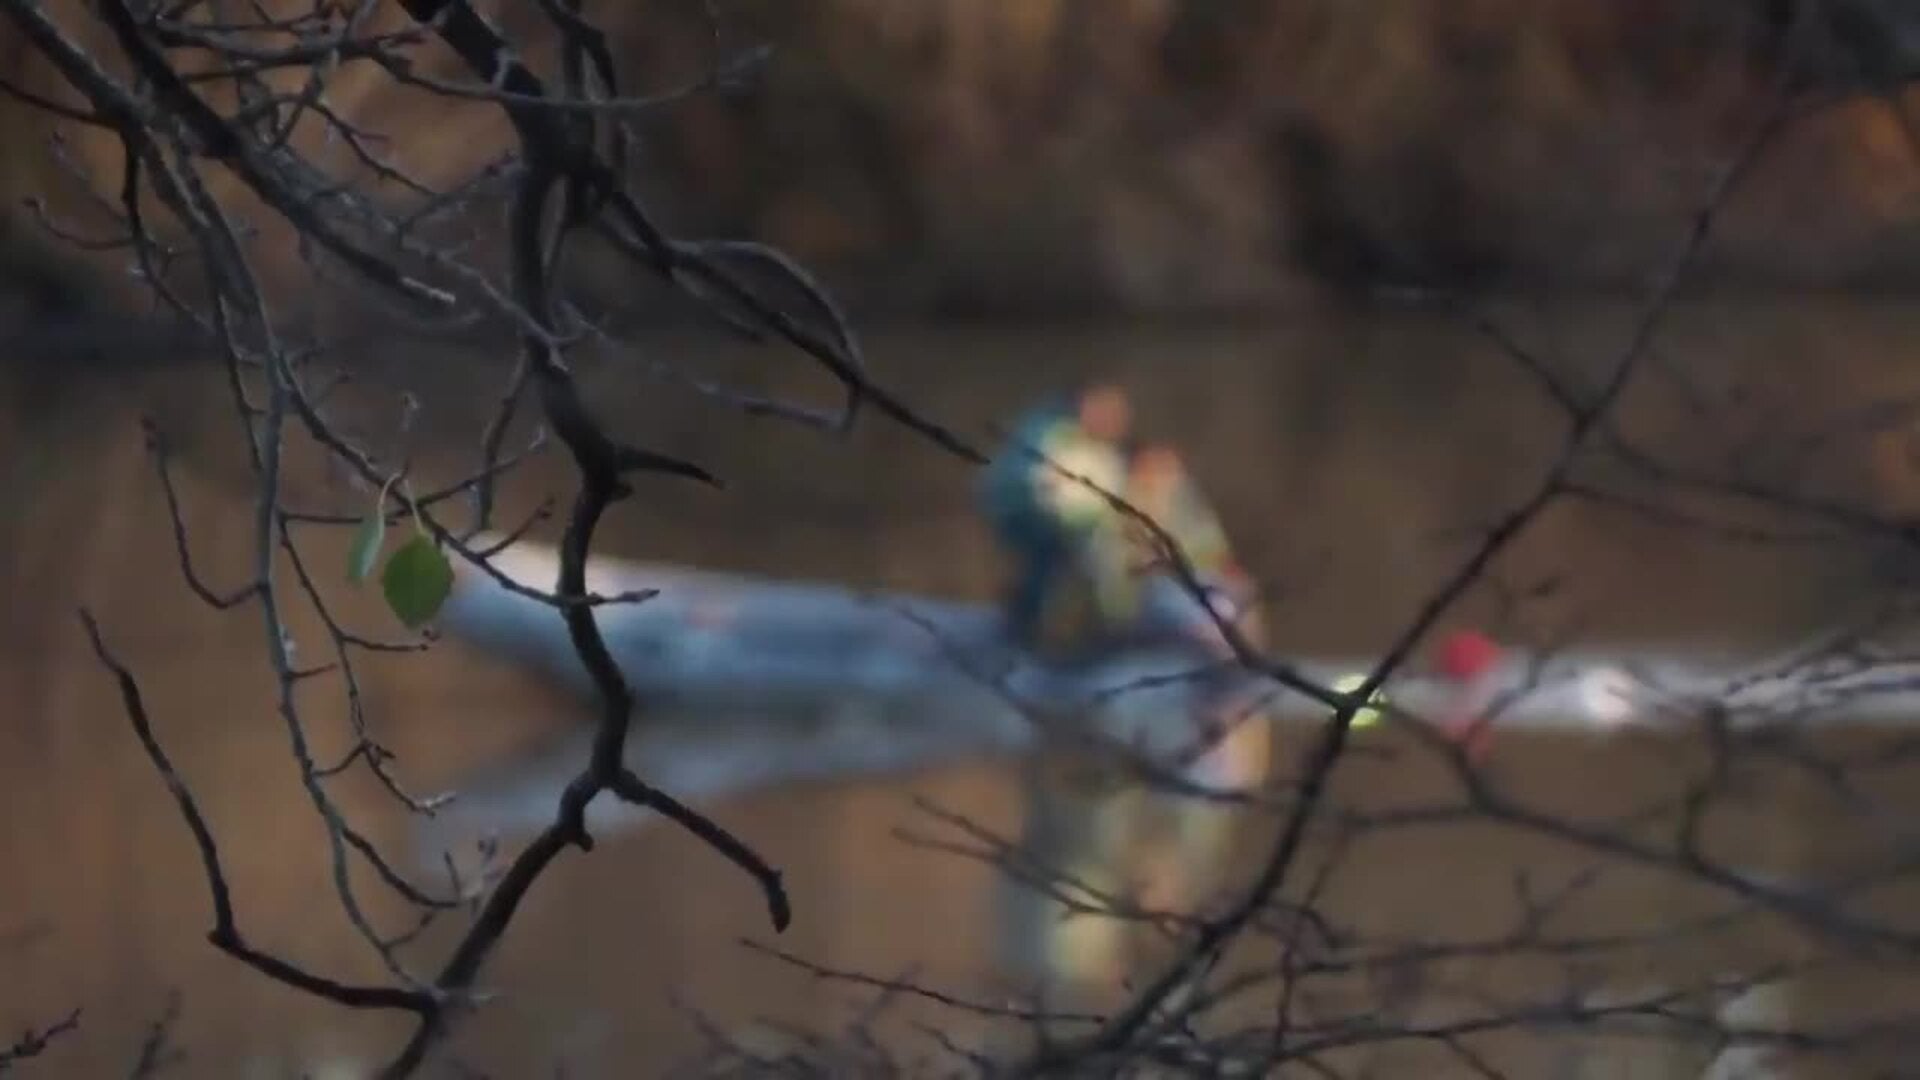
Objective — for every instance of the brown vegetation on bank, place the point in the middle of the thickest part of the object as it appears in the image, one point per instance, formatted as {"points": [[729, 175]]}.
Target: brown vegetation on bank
{"points": [[1153, 156]]}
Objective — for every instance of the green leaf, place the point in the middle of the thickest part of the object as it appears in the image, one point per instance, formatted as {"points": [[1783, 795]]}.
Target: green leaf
{"points": [[365, 552], [417, 580]]}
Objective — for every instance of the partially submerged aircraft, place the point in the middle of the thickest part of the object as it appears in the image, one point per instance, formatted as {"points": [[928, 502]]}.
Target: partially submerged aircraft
{"points": [[748, 684]]}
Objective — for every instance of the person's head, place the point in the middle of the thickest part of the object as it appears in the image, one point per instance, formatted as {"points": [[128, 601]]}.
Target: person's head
{"points": [[1154, 467], [1104, 411]]}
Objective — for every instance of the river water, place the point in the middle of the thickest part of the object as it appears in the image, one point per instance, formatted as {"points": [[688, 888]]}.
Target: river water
{"points": [[1355, 456]]}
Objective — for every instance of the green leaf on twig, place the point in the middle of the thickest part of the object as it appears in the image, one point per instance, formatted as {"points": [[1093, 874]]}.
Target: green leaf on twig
{"points": [[417, 581]]}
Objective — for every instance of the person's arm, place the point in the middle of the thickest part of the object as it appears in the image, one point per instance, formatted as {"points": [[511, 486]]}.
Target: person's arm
{"points": [[1203, 539], [1070, 461], [1010, 485], [1215, 554]]}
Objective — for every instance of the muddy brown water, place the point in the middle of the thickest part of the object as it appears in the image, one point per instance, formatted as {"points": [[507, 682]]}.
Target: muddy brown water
{"points": [[1354, 458]]}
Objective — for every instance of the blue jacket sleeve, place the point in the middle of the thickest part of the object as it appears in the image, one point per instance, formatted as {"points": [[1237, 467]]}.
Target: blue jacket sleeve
{"points": [[1010, 484]]}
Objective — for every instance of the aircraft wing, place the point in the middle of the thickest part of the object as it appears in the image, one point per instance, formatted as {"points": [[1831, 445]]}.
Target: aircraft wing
{"points": [[721, 641], [764, 653], [753, 653], [749, 684]]}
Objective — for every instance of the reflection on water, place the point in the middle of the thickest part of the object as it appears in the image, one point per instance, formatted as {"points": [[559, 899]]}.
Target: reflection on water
{"points": [[1354, 458]]}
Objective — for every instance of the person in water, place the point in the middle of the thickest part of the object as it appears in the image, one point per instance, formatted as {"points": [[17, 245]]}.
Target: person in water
{"points": [[1188, 840], [1150, 597], [1159, 486], [1109, 833], [1038, 501]]}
